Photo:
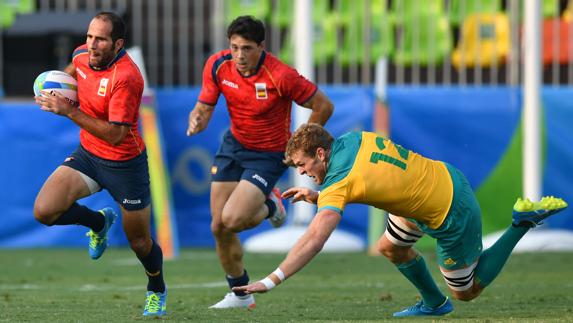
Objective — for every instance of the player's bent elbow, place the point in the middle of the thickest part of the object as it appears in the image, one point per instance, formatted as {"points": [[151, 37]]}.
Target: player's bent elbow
{"points": [[329, 109], [326, 110]]}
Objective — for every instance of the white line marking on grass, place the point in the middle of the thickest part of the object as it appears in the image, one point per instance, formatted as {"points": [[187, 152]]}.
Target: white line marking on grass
{"points": [[96, 288], [177, 286], [133, 261], [19, 287]]}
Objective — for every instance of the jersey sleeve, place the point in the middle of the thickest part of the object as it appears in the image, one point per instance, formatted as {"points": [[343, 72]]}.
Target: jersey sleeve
{"points": [[296, 86], [77, 52], [209, 88], [124, 102], [333, 198]]}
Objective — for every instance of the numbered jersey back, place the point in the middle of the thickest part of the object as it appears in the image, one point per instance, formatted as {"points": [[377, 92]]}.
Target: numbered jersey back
{"points": [[366, 168]]}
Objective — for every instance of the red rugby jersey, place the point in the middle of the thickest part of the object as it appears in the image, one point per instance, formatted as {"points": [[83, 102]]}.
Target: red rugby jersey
{"points": [[259, 104], [112, 94]]}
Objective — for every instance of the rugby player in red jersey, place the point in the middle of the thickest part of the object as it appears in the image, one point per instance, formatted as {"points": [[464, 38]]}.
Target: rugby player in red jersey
{"points": [[111, 154], [259, 90]]}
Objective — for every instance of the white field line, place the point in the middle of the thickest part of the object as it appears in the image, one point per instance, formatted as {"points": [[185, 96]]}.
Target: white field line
{"points": [[92, 287], [133, 261]]}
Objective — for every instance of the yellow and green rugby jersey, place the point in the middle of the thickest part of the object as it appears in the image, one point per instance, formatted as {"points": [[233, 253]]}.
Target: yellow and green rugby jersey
{"points": [[368, 169]]}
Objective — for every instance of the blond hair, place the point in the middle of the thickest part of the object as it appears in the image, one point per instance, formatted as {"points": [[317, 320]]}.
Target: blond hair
{"points": [[308, 138]]}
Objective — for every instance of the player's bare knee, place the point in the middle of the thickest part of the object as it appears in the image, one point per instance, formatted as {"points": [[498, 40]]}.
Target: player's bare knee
{"points": [[44, 214], [461, 283], [464, 296], [140, 245], [387, 251], [398, 239], [217, 228], [233, 223], [393, 253]]}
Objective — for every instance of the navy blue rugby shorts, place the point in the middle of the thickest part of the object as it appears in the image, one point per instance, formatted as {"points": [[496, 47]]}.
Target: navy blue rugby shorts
{"points": [[126, 181], [233, 163]]}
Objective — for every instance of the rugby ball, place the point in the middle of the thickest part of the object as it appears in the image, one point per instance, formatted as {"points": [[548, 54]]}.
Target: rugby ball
{"points": [[57, 81]]}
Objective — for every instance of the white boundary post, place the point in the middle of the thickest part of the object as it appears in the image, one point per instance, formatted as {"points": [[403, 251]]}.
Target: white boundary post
{"points": [[531, 110]]}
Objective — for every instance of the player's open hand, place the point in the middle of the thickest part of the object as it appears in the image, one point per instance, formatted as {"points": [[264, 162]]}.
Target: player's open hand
{"points": [[54, 102], [256, 287], [301, 194]]}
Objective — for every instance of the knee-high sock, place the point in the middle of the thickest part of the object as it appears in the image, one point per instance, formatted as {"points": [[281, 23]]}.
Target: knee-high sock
{"points": [[272, 207], [492, 260], [153, 264], [79, 214], [417, 273], [238, 281]]}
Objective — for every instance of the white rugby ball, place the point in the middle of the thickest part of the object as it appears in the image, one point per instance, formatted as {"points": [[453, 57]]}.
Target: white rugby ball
{"points": [[57, 81]]}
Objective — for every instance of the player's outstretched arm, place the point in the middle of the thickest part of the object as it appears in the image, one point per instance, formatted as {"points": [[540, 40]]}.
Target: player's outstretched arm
{"points": [[199, 118], [321, 108], [301, 194], [308, 246]]}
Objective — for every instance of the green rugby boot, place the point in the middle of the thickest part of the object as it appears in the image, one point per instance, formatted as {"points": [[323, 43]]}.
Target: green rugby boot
{"points": [[155, 304], [98, 240], [531, 214]]}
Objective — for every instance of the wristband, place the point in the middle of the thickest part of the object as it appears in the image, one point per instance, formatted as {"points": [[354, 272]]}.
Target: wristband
{"points": [[269, 284], [280, 275]]}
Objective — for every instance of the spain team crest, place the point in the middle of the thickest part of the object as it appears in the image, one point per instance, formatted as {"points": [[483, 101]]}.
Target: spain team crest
{"points": [[102, 87], [261, 90]]}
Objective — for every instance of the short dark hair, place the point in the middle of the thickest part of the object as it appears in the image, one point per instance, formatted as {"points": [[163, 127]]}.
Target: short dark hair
{"points": [[248, 27], [118, 29]]}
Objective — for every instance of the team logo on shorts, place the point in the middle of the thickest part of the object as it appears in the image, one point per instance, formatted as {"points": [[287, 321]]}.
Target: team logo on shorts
{"points": [[126, 201], [69, 159], [102, 87], [261, 89], [213, 170], [260, 179], [449, 262]]}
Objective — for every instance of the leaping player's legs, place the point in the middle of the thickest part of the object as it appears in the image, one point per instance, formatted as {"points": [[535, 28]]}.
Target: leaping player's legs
{"points": [[128, 183], [62, 189], [73, 180], [467, 283], [137, 228], [234, 207], [396, 244], [242, 181]]}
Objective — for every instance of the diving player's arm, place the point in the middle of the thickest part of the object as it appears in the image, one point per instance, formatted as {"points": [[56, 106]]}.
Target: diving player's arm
{"points": [[308, 246], [199, 118]]}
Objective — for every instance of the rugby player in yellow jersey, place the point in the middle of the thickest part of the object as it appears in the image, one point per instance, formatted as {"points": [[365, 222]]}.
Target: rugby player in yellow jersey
{"points": [[424, 196]]}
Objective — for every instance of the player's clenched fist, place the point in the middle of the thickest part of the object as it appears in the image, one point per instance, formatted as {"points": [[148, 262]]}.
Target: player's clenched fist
{"points": [[199, 118]]}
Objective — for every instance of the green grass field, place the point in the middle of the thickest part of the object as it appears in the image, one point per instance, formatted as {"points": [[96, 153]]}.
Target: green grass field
{"points": [[65, 285]]}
